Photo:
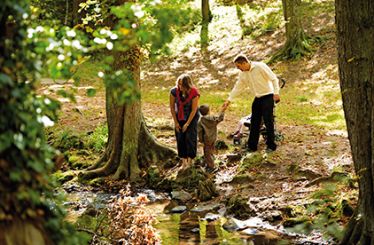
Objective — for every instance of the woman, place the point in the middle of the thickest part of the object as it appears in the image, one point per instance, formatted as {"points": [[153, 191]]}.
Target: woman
{"points": [[184, 100]]}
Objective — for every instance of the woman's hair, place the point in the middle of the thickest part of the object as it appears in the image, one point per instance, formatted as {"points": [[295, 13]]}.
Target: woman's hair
{"points": [[186, 81], [241, 58]]}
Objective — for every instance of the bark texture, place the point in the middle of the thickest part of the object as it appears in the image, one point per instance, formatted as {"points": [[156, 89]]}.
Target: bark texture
{"points": [[355, 38], [129, 141], [296, 40]]}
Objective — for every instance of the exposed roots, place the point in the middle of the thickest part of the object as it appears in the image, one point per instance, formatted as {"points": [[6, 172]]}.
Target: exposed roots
{"points": [[152, 152], [355, 233], [293, 50], [110, 167]]}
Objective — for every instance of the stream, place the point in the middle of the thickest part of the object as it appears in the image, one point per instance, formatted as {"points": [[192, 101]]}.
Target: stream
{"points": [[202, 223]]}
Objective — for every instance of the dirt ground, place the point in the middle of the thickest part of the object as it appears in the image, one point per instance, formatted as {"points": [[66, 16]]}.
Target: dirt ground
{"points": [[306, 153]]}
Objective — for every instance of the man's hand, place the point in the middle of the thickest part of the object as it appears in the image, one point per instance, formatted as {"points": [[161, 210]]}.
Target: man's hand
{"points": [[226, 104], [184, 128], [276, 98]]}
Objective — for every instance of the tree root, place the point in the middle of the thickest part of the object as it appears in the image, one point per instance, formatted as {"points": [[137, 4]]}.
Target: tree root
{"points": [[293, 51], [150, 151], [110, 167], [355, 232]]}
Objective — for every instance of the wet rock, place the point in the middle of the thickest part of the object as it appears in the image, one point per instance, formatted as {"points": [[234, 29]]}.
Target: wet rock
{"points": [[273, 215], [71, 188], [249, 231], [211, 217], [238, 206], [172, 204], [178, 209], [233, 224], [195, 230], [230, 225], [181, 195], [204, 208]]}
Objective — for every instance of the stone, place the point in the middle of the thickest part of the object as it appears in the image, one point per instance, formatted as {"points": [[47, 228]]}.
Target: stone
{"points": [[181, 195], [211, 217], [179, 209]]}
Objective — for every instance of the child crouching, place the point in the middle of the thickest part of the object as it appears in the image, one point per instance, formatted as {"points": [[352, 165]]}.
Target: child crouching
{"points": [[207, 132]]}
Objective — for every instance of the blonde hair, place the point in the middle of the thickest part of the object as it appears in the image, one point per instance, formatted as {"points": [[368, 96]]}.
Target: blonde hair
{"points": [[186, 81]]}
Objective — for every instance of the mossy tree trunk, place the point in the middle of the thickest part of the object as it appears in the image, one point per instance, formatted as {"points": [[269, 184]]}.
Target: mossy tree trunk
{"points": [[355, 35], [206, 18], [129, 141], [296, 40], [205, 11]]}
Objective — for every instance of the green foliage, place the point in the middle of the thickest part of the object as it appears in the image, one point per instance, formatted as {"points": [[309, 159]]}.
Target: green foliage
{"points": [[98, 139], [25, 157], [256, 20], [329, 207], [67, 140]]}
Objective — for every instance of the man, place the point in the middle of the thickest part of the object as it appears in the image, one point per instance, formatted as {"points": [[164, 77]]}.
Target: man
{"points": [[264, 85]]}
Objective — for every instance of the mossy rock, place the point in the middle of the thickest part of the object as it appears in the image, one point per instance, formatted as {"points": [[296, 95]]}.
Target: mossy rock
{"points": [[243, 179], [238, 206], [78, 162], [293, 211], [291, 222], [250, 160], [97, 182], [153, 175], [190, 178], [63, 177], [206, 190]]}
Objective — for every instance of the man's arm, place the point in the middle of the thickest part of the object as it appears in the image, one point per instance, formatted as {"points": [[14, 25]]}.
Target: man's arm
{"points": [[238, 88], [269, 74]]}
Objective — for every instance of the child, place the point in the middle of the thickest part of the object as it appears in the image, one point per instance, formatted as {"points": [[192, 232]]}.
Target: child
{"points": [[207, 132]]}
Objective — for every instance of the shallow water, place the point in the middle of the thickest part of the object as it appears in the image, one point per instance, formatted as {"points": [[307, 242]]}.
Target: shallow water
{"points": [[204, 224]]}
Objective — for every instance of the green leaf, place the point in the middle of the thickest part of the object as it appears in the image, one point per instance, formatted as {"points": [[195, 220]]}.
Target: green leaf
{"points": [[91, 92], [5, 140], [15, 176], [5, 79]]}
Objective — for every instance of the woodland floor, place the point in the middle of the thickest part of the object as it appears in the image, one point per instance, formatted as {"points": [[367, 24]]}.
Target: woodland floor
{"points": [[308, 151]]}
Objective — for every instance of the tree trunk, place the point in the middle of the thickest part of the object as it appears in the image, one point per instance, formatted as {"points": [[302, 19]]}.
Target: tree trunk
{"points": [[355, 35], [205, 11], [76, 17], [296, 40], [129, 142]]}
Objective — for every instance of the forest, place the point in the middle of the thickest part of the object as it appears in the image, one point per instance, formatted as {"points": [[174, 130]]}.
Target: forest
{"points": [[186, 122]]}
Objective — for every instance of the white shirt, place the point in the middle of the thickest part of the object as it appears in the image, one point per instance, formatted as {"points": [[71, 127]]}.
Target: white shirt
{"points": [[260, 80]]}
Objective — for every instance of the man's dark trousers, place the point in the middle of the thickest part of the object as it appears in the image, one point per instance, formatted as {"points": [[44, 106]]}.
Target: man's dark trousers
{"points": [[262, 108]]}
